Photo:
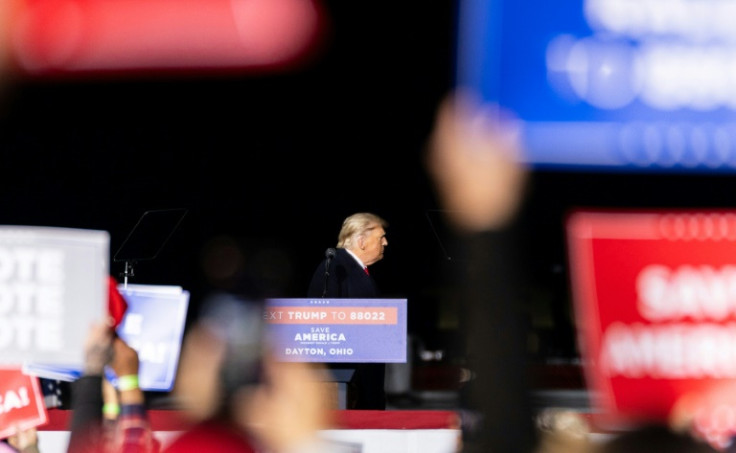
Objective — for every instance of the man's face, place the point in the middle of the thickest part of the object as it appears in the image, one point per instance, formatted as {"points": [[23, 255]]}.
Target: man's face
{"points": [[373, 245]]}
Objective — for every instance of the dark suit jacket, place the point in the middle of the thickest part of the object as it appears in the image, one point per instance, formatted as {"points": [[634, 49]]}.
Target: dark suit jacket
{"points": [[348, 280]]}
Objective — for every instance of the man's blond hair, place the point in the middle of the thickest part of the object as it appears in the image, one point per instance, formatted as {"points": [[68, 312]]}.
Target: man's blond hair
{"points": [[357, 225]]}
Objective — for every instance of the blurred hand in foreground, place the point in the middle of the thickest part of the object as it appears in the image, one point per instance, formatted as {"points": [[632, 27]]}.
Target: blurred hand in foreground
{"points": [[474, 156], [25, 440]]}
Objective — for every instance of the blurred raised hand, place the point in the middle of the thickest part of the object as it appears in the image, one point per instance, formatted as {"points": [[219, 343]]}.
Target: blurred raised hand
{"points": [[475, 159], [24, 440]]}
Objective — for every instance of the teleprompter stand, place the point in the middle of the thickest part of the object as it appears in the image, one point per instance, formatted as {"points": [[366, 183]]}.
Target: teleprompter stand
{"points": [[147, 238]]}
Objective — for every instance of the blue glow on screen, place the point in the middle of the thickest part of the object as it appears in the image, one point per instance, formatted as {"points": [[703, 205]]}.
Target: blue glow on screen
{"points": [[611, 84]]}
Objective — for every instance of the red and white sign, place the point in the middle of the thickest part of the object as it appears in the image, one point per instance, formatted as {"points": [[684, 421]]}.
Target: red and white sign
{"points": [[655, 302], [21, 402]]}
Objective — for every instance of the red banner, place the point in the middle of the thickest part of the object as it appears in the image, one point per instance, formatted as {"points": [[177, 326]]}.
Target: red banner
{"points": [[21, 402], [103, 36], [655, 301]]}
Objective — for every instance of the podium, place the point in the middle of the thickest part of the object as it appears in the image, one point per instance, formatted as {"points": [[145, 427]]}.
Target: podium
{"points": [[338, 387], [339, 333]]}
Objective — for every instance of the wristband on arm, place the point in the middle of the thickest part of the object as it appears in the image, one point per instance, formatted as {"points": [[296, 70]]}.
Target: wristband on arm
{"points": [[111, 409], [128, 382]]}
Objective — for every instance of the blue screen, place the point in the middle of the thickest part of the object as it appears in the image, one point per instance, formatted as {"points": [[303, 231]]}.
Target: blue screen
{"points": [[632, 85]]}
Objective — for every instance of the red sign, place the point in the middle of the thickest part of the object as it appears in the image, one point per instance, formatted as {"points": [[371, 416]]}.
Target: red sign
{"points": [[655, 302], [103, 36], [21, 402]]}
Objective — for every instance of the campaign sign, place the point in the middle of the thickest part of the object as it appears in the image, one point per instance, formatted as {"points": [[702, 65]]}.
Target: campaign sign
{"points": [[337, 330], [53, 286], [21, 401], [154, 326], [608, 84], [655, 304], [55, 372]]}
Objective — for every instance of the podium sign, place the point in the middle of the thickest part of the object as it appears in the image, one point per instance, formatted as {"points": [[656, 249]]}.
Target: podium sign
{"points": [[154, 325], [655, 301], [53, 286], [337, 330], [21, 402]]}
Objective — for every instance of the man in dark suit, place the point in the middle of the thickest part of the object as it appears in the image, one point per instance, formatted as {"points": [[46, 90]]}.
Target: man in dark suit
{"points": [[361, 243]]}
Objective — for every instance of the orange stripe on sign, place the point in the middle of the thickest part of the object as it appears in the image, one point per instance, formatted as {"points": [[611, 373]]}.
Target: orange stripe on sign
{"points": [[332, 315]]}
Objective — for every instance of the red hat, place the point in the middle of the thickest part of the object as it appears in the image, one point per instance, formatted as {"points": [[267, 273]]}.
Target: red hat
{"points": [[116, 303]]}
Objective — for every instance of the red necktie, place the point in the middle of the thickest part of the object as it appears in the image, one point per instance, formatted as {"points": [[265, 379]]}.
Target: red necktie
{"points": [[366, 270]]}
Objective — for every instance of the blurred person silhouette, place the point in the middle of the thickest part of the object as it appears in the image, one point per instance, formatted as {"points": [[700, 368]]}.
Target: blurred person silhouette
{"points": [[220, 360], [91, 428], [474, 158], [234, 396], [343, 273]]}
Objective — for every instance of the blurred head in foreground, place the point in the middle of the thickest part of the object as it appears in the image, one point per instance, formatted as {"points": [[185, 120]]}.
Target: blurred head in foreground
{"points": [[228, 377], [221, 356]]}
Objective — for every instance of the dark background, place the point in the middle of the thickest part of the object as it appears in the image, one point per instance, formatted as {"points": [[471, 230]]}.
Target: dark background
{"points": [[276, 161]]}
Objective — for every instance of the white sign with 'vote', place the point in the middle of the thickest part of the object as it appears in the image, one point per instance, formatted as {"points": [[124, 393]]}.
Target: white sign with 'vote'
{"points": [[53, 286]]}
